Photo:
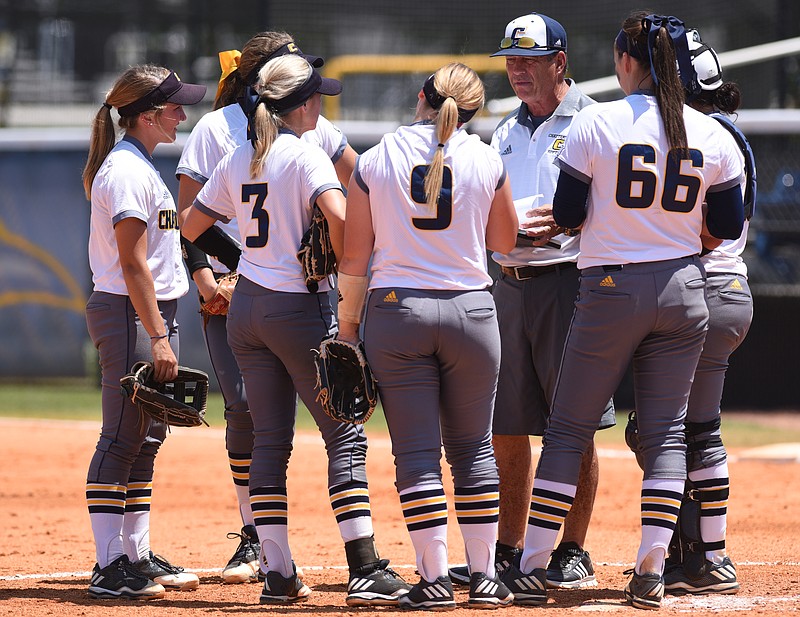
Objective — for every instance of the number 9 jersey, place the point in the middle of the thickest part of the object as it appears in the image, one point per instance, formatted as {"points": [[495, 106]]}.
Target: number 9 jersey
{"points": [[416, 247], [643, 204]]}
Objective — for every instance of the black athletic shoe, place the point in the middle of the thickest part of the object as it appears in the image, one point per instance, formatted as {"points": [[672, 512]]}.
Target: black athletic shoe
{"points": [[529, 589], [375, 585], [435, 596], [243, 566], [161, 571], [505, 556], [281, 590], [120, 579], [645, 590], [713, 578], [570, 567], [485, 592]]}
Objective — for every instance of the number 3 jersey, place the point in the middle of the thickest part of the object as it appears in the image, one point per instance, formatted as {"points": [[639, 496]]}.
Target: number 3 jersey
{"points": [[273, 210], [416, 246], [641, 206]]}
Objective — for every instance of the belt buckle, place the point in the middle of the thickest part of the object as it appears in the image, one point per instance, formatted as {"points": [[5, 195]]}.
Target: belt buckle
{"points": [[519, 276]]}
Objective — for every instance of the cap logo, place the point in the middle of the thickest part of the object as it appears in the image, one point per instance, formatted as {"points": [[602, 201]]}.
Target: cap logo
{"points": [[292, 48]]}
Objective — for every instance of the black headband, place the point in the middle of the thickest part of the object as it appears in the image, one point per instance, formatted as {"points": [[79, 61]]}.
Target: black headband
{"points": [[287, 48], [250, 100], [436, 100], [623, 45], [157, 96], [293, 100]]}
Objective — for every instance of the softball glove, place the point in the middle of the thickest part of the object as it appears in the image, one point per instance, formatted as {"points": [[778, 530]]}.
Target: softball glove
{"points": [[180, 402], [347, 390]]}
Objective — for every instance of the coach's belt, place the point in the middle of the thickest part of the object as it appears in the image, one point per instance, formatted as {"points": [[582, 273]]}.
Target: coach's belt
{"points": [[522, 273]]}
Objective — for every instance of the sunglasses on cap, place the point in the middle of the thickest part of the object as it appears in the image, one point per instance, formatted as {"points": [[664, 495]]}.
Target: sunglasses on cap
{"points": [[524, 42]]}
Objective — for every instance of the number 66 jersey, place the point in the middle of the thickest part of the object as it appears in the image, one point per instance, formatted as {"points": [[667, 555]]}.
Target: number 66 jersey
{"points": [[645, 203]]}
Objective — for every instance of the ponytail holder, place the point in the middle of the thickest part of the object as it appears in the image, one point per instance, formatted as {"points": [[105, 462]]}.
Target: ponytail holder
{"points": [[440, 146], [677, 32], [228, 62], [436, 100], [107, 105]]}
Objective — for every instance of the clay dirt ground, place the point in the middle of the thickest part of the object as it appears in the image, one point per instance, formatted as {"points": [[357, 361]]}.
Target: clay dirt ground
{"points": [[46, 550]]}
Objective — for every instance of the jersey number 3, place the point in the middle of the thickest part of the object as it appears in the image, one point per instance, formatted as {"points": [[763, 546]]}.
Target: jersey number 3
{"points": [[260, 215], [444, 207], [636, 188]]}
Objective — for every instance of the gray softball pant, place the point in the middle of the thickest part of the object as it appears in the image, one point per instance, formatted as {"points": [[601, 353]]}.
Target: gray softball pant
{"points": [[239, 424], [436, 356], [653, 313], [128, 441], [272, 334], [730, 308]]}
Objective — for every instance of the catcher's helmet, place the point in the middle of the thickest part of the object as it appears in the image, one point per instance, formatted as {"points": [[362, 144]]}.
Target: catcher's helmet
{"points": [[705, 62]]}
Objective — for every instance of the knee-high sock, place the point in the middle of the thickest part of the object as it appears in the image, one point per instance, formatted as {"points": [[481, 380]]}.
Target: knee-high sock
{"points": [[350, 503], [425, 512], [661, 502], [477, 510], [240, 471], [136, 524], [270, 513], [550, 503], [713, 514], [106, 503]]}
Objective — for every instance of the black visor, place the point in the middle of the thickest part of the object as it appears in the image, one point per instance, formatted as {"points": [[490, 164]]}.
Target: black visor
{"points": [[171, 90]]}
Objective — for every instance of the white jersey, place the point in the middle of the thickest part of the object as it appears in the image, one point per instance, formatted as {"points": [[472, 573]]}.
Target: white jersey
{"points": [[273, 210], [638, 210], [529, 154], [221, 131], [128, 185], [727, 257], [414, 246]]}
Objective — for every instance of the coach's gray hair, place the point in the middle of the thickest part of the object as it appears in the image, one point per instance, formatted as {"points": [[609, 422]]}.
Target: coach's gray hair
{"points": [[462, 89], [277, 79], [132, 85]]}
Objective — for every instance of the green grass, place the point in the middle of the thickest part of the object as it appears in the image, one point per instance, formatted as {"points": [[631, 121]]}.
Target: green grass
{"points": [[80, 400]]}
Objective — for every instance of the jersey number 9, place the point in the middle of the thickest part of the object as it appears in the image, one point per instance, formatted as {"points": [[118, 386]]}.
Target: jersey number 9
{"points": [[444, 206]]}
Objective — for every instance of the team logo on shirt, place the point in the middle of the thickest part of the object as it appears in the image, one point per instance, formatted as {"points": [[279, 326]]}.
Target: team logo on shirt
{"points": [[167, 219], [506, 151], [558, 142]]}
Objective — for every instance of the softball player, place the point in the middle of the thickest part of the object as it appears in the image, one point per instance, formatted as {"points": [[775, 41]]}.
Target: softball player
{"points": [[214, 136], [423, 205], [535, 294], [646, 163], [704, 566], [135, 257], [270, 186]]}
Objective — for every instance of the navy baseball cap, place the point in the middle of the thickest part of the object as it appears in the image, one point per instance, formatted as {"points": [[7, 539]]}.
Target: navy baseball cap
{"points": [[533, 35]]}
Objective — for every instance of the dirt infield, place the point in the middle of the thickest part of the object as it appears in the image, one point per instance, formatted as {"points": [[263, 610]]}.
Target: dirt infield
{"points": [[46, 550]]}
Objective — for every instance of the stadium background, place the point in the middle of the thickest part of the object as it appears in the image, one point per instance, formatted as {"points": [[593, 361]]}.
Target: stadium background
{"points": [[57, 58]]}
